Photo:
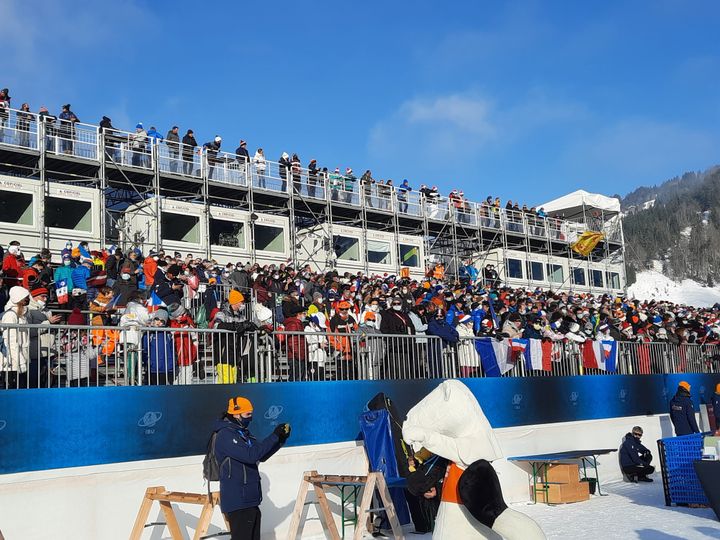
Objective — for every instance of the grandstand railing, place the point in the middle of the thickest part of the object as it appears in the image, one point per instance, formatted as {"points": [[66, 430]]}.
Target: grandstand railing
{"points": [[28, 130], [130, 354]]}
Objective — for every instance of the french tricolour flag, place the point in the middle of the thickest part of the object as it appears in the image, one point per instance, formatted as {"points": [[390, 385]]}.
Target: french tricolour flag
{"points": [[494, 356], [600, 355], [538, 355], [154, 302], [61, 289]]}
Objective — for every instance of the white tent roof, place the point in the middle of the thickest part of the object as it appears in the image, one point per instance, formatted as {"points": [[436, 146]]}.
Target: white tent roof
{"points": [[573, 204]]}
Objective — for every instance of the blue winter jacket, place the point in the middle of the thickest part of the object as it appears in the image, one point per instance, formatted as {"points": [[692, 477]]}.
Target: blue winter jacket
{"points": [[158, 352], [239, 476], [80, 275], [64, 272], [631, 452], [682, 413], [716, 409]]}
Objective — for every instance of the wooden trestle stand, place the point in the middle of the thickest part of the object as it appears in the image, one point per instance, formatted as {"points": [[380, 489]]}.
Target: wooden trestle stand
{"points": [[319, 482], [166, 498]]}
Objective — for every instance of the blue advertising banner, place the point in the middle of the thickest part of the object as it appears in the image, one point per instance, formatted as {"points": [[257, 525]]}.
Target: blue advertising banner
{"points": [[69, 427]]}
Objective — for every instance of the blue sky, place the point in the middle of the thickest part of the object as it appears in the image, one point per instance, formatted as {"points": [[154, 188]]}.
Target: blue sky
{"points": [[524, 100]]}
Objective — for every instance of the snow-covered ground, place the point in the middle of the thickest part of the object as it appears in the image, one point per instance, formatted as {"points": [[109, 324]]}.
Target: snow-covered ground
{"points": [[651, 284], [628, 512]]}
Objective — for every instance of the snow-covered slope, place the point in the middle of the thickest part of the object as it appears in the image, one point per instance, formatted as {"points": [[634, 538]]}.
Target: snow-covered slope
{"points": [[651, 285]]}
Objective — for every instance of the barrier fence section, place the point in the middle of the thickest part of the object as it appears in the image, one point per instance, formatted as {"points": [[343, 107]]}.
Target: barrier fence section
{"points": [[39, 356]]}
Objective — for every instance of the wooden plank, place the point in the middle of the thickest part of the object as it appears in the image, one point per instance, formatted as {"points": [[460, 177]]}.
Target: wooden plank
{"points": [[365, 503], [204, 521], [143, 514], [172, 523], [328, 520], [179, 497], [389, 506], [298, 510]]}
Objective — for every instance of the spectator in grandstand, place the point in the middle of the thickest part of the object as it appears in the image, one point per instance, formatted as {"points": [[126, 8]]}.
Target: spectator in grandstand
{"points": [[468, 357], [49, 121], [296, 167], [186, 343], [533, 328], [349, 184], [113, 266], [4, 111], [290, 302], [80, 276], [716, 406], [15, 359], [172, 141], [158, 351], [284, 170], [313, 172], [13, 264], [66, 129], [635, 458], [296, 346], [237, 450], [211, 154], [189, 144], [682, 412], [154, 136], [341, 326], [41, 341], [233, 351], [403, 193], [317, 346], [138, 144], [125, 287], [31, 274], [168, 285], [438, 326], [23, 123], [260, 167], [242, 154], [491, 277], [102, 306], [150, 267]]}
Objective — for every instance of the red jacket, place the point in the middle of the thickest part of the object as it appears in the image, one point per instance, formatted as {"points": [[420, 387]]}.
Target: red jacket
{"points": [[12, 268], [296, 348], [186, 348]]}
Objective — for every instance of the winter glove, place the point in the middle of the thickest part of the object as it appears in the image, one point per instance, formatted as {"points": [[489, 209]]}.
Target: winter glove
{"points": [[283, 432]]}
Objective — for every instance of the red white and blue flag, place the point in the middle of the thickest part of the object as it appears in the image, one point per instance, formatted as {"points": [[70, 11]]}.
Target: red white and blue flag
{"points": [[600, 355], [495, 356], [61, 289], [539, 355], [155, 302]]}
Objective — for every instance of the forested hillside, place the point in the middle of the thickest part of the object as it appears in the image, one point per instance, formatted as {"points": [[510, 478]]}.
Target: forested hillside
{"points": [[681, 229]]}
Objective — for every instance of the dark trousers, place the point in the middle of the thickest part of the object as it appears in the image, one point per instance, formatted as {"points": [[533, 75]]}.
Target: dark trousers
{"points": [[244, 524], [637, 470]]}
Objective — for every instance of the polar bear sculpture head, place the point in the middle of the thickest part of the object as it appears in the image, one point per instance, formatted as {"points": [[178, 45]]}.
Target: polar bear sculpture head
{"points": [[450, 423]]}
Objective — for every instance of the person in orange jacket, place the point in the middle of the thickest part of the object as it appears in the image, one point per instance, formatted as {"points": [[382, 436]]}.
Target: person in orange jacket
{"points": [[150, 267]]}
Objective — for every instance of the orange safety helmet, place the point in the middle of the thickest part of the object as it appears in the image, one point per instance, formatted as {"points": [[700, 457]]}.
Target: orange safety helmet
{"points": [[685, 385], [239, 405]]}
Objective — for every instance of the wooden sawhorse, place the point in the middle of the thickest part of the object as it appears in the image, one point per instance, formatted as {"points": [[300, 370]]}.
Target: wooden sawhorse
{"points": [[166, 498], [319, 482]]}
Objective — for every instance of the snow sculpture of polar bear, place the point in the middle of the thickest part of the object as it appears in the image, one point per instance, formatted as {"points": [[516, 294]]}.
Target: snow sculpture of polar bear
{"points": [[450, 423]]}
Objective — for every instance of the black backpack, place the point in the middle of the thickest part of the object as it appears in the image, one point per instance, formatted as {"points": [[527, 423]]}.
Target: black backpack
{"points": [[211, 467]]}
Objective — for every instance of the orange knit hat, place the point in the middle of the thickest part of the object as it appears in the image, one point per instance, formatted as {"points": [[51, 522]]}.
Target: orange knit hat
{"points": [[235, 297], [239, 405]]}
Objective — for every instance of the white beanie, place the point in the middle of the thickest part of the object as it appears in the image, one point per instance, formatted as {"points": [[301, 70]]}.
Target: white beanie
{"points": [[17, 294]]}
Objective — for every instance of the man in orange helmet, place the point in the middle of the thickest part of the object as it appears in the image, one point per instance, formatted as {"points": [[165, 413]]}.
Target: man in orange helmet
{"points": [[238, 454]]}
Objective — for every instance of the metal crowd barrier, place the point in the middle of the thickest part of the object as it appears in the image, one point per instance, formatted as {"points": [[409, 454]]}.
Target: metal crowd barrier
{"points": [[130, 354]]}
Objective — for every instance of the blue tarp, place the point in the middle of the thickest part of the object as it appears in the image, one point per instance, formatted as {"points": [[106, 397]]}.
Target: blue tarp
{"points": [[380, 448]]}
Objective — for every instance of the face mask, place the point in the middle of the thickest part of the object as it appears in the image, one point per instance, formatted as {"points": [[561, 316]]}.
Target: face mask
{"points": [[537, 326], [156, 258], [244, 422], [374, 308], [67, 262], [396, 307], [41, 303], [15, 250], [187, 272], [68, 245], [125, 276]]}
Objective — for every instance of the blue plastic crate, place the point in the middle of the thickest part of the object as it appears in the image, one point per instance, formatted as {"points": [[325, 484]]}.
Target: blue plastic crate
{"points": [[681, 482]]}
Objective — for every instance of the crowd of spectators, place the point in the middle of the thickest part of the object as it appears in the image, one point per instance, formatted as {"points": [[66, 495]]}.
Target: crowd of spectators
{"points": [[342, 182], [132, 289]]}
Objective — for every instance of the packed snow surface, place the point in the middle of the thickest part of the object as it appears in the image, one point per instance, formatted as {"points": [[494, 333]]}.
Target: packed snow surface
{"points": [[652, 285], [628, 512]]}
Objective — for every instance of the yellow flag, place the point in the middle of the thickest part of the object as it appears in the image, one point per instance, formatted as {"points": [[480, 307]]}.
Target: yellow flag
{"points": [[587, 242]]}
